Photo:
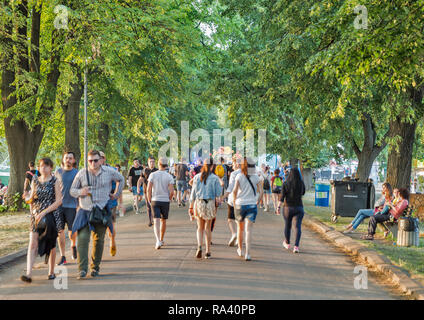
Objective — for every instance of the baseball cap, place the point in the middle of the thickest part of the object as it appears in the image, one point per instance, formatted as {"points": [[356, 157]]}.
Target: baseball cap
{"points": [[163, 161]]}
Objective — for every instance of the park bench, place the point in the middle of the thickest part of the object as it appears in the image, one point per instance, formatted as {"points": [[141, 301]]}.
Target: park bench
{"points": [[391, 226]]}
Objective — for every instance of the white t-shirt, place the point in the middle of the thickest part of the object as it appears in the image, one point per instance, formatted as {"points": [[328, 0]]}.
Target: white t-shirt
{"points": [[245, 194], [160, 180], [231, 185]]}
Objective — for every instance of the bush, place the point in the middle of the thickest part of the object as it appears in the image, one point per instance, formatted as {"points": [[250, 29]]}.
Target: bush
{"points": [[14, 204]]}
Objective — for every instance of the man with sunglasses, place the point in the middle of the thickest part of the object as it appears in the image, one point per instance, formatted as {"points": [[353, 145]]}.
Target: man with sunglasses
{"points": [[94, 192]]}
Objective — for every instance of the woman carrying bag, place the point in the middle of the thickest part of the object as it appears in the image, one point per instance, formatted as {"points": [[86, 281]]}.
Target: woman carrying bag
{"points": [[247, 192], [204, 199], [45, 199]]}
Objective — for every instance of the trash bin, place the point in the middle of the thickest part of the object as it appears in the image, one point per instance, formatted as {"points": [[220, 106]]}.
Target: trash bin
{"points": [[347, 197], [408, 232], [322, 195]]}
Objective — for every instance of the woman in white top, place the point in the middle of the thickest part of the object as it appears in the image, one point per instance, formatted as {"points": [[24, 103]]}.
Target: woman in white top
{"points": [[247, 192]]}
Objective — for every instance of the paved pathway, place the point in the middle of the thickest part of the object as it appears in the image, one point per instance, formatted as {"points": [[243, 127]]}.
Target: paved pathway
{"points": [[138, 271]]}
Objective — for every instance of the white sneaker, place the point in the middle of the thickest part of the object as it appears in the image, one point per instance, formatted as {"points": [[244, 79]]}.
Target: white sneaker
{"points": [[121, 214], [162, 243], [232, 241], [137, 212], [296, 250], [247, 257], [158, 245], [239, 252], [286, 245]]}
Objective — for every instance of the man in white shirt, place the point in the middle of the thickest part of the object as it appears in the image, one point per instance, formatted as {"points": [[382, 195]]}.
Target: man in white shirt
{"points": [[160, 190]]}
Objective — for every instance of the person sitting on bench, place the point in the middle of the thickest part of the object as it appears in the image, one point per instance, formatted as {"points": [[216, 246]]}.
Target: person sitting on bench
{"points": [[386, 198], [389, 211]]}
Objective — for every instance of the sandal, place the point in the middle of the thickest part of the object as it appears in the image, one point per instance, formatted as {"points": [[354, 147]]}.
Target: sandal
{"points": [[367, 237]]}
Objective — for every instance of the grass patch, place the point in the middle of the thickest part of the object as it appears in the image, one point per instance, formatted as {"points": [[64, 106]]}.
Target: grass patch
{"points": [[14, 231], [409, 258]]}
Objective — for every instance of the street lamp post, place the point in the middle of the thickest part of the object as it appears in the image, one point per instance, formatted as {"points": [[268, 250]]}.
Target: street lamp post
{"points": [[85, 116]]}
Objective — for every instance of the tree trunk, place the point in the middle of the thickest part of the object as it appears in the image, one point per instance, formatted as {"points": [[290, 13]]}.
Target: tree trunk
{"points": [[23, 141], [399, 162], [23, 145], [365, 161], [103, 136], [370, 149], [72, 110], [124, 164]]}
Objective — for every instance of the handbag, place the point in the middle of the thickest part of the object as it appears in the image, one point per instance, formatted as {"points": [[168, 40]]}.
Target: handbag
{"points": [[41, 225], [98, 216]]}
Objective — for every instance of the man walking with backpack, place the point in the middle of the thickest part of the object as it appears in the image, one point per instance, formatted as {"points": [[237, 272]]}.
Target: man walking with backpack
{"points": [[276, 187], [181, 173]]}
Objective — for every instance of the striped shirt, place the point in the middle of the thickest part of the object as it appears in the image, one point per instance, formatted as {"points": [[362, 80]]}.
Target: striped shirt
{"points": [[101, 185]]}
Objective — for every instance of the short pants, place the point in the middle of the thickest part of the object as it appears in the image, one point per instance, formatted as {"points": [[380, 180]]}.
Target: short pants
{"points": [[230, 212], [248, 211], [181, 185], [160, 209], [134, 191], [67, 217]]}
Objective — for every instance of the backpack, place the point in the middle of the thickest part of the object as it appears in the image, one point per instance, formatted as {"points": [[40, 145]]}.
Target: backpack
{"points": [[219, 170], [267, 186], [277, 185], [278, 182]]}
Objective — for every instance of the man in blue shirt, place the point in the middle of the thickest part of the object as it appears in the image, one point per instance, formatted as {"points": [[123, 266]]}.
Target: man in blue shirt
{"points": [[66, 174], [112, 204]]}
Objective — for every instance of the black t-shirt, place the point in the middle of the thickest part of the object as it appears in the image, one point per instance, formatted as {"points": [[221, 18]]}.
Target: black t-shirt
{"points": [[146, 174], [181, 171], [135, 174], [30, 174]]}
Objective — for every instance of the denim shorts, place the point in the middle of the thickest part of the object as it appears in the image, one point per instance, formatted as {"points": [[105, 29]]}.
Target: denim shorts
{"points": [[181, 185], [134, 191], [248, 211]]}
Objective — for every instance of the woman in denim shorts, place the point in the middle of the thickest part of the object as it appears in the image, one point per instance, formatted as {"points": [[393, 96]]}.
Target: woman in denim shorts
{"points": [[247, 192]]}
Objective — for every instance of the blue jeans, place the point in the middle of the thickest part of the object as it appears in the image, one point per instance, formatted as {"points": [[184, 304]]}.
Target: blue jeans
{"points": [[360, 216], [289, 214]]}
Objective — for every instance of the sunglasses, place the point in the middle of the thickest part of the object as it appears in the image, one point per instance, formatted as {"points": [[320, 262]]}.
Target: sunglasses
{"points": [[93, 160]]}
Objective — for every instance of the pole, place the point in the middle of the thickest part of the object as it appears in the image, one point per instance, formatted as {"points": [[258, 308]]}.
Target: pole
{"points": [[85, 117]]}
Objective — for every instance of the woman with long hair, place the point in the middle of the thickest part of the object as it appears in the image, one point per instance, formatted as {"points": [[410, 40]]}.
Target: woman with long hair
{"points": [[45, 199], [205, 194], [247, 194], [386, 198], [291, 196]]}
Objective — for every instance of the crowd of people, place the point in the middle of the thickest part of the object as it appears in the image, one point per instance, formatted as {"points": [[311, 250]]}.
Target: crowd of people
{"points": [[87, 202]]}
